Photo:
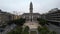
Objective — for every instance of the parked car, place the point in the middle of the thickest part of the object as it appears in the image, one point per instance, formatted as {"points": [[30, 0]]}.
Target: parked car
{"points": [[1, 29]]}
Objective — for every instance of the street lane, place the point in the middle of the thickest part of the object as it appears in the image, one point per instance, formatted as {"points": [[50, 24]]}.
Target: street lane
{"points": [[54, 28], [8, 28]]}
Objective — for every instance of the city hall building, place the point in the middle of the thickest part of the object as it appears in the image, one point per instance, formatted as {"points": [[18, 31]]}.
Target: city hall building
{"points": [[31, 16]]}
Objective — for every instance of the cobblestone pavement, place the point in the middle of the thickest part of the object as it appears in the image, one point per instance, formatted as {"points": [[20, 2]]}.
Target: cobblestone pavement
{"points": [[32, 25]]}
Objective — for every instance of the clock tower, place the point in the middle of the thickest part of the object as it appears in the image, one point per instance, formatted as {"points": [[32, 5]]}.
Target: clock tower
{"points": [[31, 7]]}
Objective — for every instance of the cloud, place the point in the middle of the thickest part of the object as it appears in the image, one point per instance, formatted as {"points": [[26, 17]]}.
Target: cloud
{"points": [[40, 6]]}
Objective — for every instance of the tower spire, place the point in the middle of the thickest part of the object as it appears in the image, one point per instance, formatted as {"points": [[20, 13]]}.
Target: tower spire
{"points": [[31, 7]]}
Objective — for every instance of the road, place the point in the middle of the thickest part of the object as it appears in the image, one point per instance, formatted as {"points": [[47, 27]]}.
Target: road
{"points": [[54, 28], [32, 25], [8, 28]]}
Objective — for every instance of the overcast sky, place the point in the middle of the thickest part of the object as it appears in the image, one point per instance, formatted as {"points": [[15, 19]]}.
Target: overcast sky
{"points": [[22, 6]]}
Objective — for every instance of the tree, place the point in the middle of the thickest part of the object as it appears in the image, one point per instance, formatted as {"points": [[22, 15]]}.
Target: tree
{"points": [[26, 30], [20, 21], [43, 30], [18, 30], [39, 29], [42, 21], [53, 32]]}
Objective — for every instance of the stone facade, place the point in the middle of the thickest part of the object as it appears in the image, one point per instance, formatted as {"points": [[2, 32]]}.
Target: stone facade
{"points": [[27, 16], [15, 17], [4, 17]]}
